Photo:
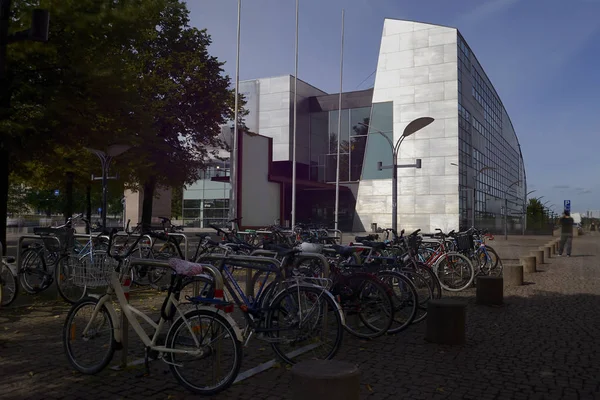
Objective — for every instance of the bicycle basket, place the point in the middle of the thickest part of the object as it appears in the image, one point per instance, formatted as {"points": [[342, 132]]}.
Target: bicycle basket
{"points": [[464, 242], [49, 238], [91, 270], [413, 244]]}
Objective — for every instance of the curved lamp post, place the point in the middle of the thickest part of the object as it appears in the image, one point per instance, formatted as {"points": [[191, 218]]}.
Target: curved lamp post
{"points": [[105, 159], [413, 127], [506, 208]]}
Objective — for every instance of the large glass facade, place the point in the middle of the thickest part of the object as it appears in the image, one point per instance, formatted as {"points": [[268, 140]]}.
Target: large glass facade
{"points": [[489, 154], [324, 144], [206, 202]]}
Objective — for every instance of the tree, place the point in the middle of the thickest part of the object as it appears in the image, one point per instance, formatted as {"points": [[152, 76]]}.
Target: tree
{"points": [[76, 90], [535, 214], [177, 202], [186, 94]]}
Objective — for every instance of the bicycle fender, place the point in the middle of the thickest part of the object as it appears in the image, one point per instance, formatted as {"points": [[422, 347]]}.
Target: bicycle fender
{"points": [[234, 325]]}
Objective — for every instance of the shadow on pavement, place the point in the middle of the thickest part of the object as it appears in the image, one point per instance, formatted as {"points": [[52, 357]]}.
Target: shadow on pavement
{"points": [[541, 344]]}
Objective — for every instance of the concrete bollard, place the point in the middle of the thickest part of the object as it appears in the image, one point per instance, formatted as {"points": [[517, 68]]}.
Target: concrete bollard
{"points": [[325, 380], [490, 290], [546, 250], [513, 275], [446, 320], [552, 246], [529, 265], [539, 256]]}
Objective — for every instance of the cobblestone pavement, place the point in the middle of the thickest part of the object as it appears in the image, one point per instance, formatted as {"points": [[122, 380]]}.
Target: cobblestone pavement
{"points": [[542, 344]]}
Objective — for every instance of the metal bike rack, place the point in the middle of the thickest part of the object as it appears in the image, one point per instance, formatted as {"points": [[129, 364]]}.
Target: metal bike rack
{"points": [[244, 259], [35, 237], [185, 242], [338, 234], [148, 262]]}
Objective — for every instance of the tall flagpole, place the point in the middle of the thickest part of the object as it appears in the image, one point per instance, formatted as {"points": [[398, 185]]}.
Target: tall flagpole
{"points": [[337, 171], [295, 124], [233, 155]]}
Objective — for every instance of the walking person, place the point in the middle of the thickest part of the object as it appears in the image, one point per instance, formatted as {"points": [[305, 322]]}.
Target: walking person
{"points": [[566, 233]]}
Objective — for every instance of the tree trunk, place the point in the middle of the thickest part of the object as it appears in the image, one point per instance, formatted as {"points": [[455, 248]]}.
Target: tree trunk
{"points": [[88, 207], [68, 211], [4, 181], [148, 193]]}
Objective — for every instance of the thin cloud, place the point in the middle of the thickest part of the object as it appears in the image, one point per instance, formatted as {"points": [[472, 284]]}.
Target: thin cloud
{"points": [[484, 11], [561, 187]]}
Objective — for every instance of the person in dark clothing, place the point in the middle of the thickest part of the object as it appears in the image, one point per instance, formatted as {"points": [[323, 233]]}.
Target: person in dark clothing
{"points": [[566, 233]]}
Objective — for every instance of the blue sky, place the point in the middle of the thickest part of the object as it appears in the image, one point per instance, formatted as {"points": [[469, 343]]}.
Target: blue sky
{"points": [[541, 55]]}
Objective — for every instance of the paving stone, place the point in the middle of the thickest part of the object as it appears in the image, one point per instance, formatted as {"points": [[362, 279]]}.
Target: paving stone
{"points": [[542, 344]]}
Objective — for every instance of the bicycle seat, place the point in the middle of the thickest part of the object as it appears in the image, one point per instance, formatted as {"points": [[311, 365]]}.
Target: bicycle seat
{"points": [[185, 268], [9, 259], [367, 238], [203, 235], [374, 245], [280, 250], [238, 246], [47, 231]]}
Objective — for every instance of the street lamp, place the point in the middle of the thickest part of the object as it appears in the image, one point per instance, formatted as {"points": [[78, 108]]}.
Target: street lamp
{"points": [[475, 187], [413, 127], [525, 212], [506, 208], [105, 159]]}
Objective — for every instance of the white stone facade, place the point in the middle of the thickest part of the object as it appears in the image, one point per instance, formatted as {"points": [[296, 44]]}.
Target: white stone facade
{"points": [[417, 71]]}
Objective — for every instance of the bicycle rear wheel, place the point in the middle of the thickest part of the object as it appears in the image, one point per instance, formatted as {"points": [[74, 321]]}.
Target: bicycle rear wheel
{"points": [[220, 352], [34, 274], [78, 347], [9, 287], [306, 324]]}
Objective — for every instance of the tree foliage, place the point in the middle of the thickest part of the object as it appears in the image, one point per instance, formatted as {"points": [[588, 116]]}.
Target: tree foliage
{"points": [[121, 71]]}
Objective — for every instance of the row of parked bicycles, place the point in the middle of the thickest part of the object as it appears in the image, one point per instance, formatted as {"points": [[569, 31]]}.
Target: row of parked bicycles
{"points": [[299, 291], [62, 257]]}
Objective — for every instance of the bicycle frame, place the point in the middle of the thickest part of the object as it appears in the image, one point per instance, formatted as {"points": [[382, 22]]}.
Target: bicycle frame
{"points": [[131, 312]]}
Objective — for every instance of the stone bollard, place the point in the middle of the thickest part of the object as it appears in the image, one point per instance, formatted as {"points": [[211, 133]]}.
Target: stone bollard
{"points": [[546, 250], [539, 257], [552, 246], [490, 290], [529, 265], [513, 275], [325, 380], [446, 321]]}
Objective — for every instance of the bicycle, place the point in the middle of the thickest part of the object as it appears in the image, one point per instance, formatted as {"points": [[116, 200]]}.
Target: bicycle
{"points": [[198, 323], [9, 287]]}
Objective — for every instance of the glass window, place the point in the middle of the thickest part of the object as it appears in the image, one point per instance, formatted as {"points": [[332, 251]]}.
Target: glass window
{"points": [[191, 213], [192, 203], [359, 115], [319, 135], [333, 129], [331, 168], [378, 148], [357, 154]]}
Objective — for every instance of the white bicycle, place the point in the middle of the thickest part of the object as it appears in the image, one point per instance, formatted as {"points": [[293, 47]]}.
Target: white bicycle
{"points": [[203, 347]]}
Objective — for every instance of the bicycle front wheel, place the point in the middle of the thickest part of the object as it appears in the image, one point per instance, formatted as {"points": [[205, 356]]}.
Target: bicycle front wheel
{"points": [[207, 348], [306, 324], [405, 299], [454, 271], [68, 289], [91, 351]]}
